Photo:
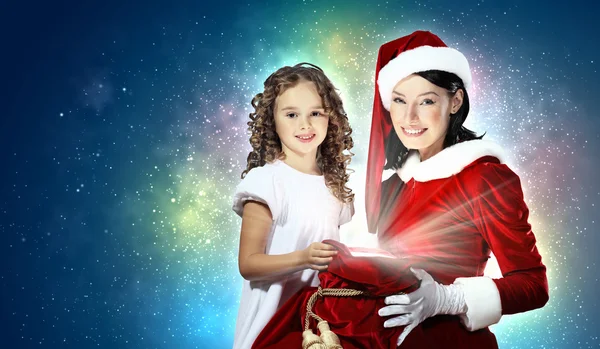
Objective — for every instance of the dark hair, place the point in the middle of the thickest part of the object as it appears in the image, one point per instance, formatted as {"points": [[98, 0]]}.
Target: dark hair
{"points": [[396, 152], [334, 153]]}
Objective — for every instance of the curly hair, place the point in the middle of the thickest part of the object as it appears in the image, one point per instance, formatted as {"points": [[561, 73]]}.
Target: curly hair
{"points": [[266, 145]]}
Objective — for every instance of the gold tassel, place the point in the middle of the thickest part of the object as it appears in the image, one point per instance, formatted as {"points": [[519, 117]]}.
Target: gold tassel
{"points": [[331, 340], [312, 341]]}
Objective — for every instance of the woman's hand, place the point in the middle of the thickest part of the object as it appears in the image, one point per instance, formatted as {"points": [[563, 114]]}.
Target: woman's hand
{"points": [[318, 255], [429, 300]]}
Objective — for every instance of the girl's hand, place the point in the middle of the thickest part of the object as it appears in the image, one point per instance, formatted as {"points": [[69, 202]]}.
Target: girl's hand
{"points": [[318, 255]]}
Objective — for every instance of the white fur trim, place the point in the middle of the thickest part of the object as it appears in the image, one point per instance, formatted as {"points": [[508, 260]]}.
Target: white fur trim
{"points": [[419, 59], [449, 161], [387, 174], [484, 307]]}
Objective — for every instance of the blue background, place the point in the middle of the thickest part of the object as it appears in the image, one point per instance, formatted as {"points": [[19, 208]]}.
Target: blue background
{"points": [[123, 137]]}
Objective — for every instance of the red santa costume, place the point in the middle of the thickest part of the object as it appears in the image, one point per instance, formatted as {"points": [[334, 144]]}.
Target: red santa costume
{"points": [[451, 210]]}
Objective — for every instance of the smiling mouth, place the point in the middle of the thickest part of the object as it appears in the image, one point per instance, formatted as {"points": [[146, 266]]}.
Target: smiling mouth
{"points": [[306, 138], [413, 132]]}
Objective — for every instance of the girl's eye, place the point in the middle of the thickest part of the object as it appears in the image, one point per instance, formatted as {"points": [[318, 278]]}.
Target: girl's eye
{"points": [[315, 113], [291, 115], [398, 100], [428, 102]]}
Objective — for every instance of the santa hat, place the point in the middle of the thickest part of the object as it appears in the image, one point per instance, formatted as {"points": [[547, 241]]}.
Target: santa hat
{"points": [[417, 52]]}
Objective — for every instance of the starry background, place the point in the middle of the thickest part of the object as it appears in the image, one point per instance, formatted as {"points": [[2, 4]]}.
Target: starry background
{"points": [[123, 137]]}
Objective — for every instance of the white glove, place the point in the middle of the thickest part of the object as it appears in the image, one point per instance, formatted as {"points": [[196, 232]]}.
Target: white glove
{"points": [[429, 300]]}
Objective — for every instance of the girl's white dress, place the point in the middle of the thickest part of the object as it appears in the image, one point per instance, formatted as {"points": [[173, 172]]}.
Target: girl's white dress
{"points": [[304, 211]]}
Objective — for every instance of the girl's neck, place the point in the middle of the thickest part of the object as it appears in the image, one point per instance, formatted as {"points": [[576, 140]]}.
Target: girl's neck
{"points": [[305, 164]]}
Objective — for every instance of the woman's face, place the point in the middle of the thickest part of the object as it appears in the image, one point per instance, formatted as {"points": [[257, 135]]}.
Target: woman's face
{"points": [[420, 114]]}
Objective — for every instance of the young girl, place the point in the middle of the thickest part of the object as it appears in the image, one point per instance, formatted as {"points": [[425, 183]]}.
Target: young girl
{"points": [[293, 193]]}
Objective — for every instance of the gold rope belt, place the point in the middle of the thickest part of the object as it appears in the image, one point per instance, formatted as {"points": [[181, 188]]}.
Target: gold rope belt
{"points": [[328, 339], [321, 292]]}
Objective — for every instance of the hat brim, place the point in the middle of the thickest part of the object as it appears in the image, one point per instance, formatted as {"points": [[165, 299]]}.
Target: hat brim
{"points": [[420, 59]]}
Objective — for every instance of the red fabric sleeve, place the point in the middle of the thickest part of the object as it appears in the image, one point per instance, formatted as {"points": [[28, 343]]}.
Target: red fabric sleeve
{"points": [[501, 215]]}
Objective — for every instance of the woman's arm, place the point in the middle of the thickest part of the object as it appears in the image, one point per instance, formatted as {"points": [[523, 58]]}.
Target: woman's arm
{"points": [[501, 215]]}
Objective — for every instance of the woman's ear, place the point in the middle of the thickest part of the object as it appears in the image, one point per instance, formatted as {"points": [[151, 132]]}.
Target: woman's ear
{"points": [[457, 101]]}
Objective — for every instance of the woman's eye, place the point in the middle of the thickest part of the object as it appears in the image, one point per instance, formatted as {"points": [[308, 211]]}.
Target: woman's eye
{"points": [[427, 101], [398, 100]]}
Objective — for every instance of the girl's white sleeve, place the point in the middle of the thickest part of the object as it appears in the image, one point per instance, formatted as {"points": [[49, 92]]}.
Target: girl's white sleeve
{"points": [[347, 212], [260, 184]]}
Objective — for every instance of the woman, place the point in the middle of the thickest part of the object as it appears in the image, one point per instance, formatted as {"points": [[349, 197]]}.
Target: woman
{"points": [[450, 202]]}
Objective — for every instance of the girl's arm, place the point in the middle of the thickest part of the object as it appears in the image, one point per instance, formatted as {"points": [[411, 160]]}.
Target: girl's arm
{"points": [[255, 264]]}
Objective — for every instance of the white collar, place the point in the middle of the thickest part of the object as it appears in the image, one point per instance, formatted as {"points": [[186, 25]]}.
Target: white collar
{"points": [[449, 161]]}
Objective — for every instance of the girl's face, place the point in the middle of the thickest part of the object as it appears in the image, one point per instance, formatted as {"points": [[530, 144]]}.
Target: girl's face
{"points": [[420, 113], [300, 120]]}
